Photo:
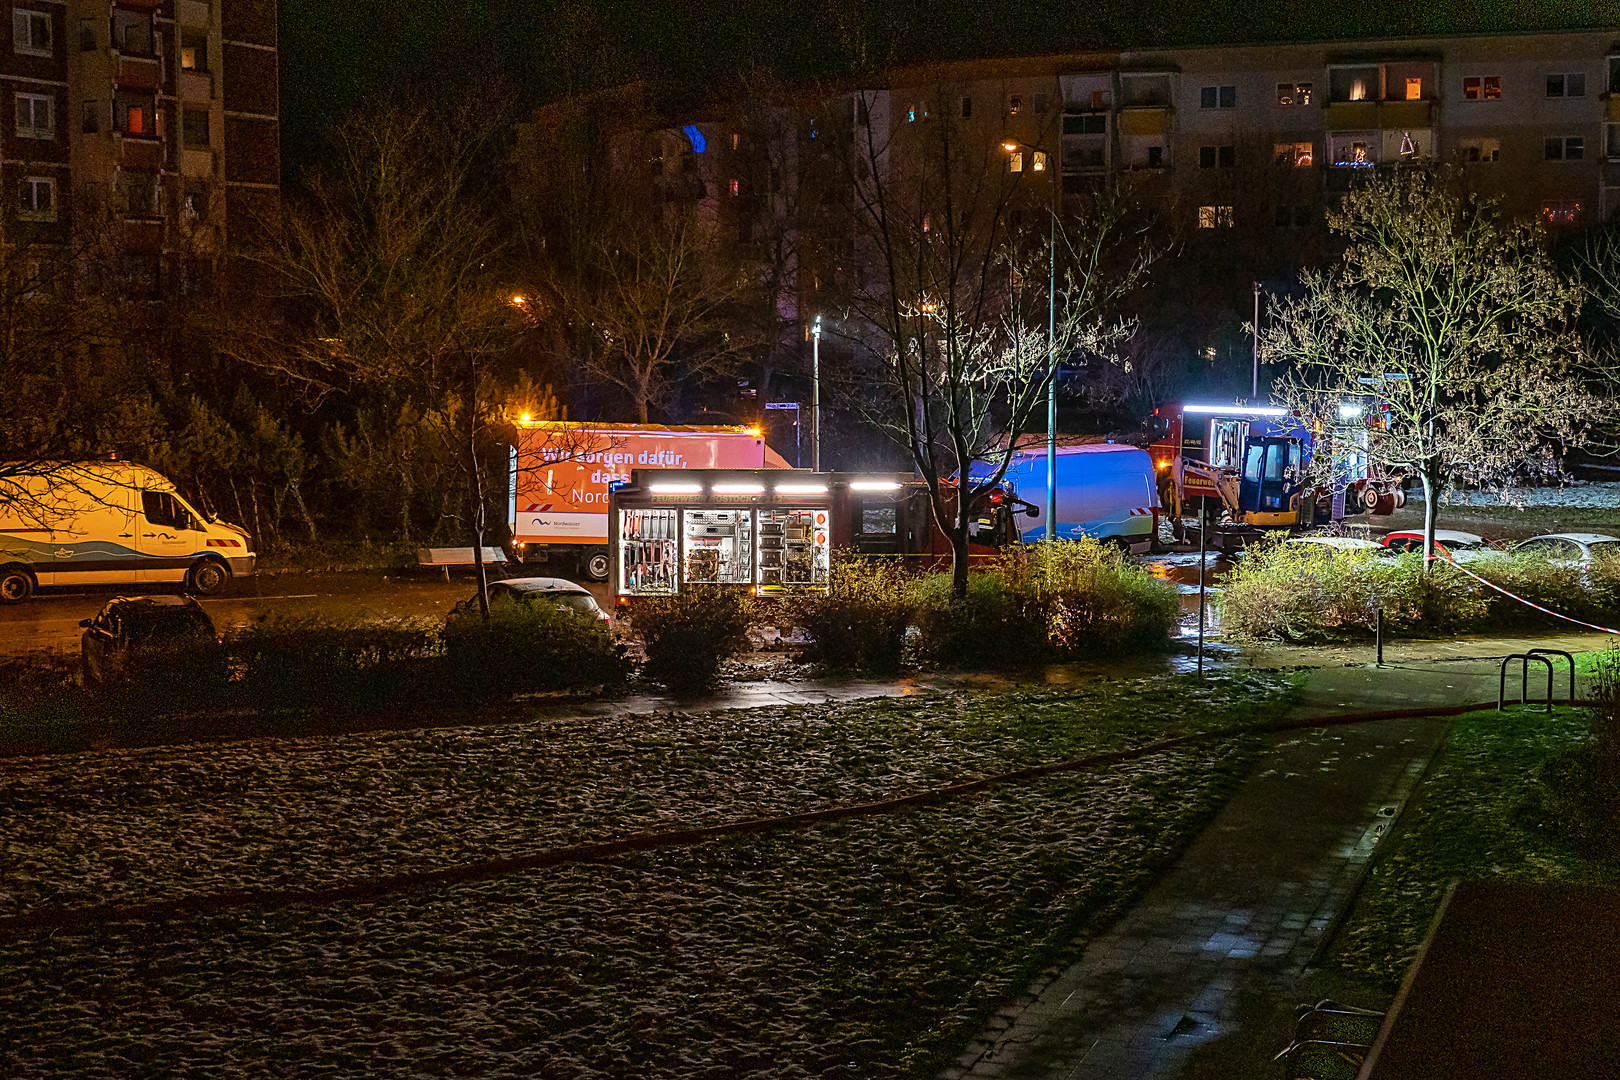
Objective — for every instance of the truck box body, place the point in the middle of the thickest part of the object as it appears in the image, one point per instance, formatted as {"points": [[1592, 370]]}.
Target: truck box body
{"points": [[562, 472], [1104, 490], [78, 523]]}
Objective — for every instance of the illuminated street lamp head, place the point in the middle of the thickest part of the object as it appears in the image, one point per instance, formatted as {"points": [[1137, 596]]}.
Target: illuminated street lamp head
{"points": [[525, 418], [815, 326], [1009, 146], [519, 300]]}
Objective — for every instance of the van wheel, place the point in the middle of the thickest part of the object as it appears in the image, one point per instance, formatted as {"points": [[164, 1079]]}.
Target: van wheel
{"points": [[207, 577], [16, 584], [595, 565]]}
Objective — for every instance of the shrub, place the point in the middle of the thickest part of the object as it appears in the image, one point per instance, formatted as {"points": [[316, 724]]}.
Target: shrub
{"points": [[1312, 592], [1064, 600], [300, 658], [529, 646], [690, 635], [860, 623]]}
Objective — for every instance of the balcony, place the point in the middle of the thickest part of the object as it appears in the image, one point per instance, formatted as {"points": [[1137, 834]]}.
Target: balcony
{"points": [[1144, 120], [1394, 115], [1352, 115], [143, 152], [143, 237], [1611, 108], [139, 72]]}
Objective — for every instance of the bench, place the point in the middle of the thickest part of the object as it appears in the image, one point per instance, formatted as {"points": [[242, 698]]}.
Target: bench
{"points": [[445, 558]]}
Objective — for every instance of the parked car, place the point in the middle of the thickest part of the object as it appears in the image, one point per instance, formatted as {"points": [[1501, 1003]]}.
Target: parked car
{"points": [[1570, 547], [1459, 546], [147, 638], [559, 592]]}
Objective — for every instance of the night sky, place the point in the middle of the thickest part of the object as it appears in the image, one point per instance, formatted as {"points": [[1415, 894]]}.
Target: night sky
{"points": [[337, 54]]}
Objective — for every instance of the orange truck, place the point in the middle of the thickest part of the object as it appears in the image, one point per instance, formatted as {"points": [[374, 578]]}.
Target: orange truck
{"points": [[561, 473]]}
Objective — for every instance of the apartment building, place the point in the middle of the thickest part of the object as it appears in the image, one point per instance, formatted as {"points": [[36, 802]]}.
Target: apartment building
{"points": [[153, 123], [1262, 138]]}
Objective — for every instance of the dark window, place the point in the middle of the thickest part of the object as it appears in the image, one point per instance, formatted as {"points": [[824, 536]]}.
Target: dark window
{"points": [[162, 508], [87, 35], [967, 107], [1570, 84], [1228, 97], [1155, 157], [1565, 148], [1206, 157], [92, 118], [1207, 97], [194, 127], [1228, 157]]}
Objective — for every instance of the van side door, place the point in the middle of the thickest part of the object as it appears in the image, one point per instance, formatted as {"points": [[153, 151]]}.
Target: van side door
{"points": [[165, 535]]}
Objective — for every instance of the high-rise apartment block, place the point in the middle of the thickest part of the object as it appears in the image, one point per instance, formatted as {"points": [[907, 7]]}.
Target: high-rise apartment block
{"points": [[1263, 137], [154, 123]]}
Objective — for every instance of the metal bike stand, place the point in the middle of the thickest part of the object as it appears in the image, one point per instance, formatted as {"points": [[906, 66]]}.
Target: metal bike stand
{"points": [[1570, 660], [1524, 679]]}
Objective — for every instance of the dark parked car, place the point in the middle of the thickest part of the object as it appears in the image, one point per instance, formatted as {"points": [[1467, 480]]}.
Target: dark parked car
{"points": [[540, 590], [148, 638]]}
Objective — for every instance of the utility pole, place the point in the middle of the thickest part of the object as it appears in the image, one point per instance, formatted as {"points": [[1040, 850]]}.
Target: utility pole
{"points": [[1254, 394], [1051, 355], [815, 394]]}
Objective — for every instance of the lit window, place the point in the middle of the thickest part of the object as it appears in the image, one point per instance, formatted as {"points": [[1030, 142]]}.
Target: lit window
{"points": [[1482, 151], [36, 116], [194, 50], [1015, 104], [1296, 155], [38, 202], [1358, 90], [1037, 161], [911, 114], [1214, 217], [1482, 88], [1015, 163], [736, 187], [1294, 93], [1414, 89], [31, 32]]}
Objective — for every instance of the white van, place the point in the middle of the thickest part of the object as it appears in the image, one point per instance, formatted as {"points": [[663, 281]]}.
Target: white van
{"points": [[78, 523]]}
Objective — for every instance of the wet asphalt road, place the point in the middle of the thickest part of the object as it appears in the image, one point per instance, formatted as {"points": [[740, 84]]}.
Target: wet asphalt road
{"points": [[50, 621]]}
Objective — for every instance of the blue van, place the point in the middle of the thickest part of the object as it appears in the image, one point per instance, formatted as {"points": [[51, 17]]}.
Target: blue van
{"points": [[1104, 490]]}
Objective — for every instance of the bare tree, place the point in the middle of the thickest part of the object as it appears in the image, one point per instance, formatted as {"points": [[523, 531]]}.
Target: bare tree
{"points": [[1445, 341], [386, 279], [955, 314], [651, 299]]}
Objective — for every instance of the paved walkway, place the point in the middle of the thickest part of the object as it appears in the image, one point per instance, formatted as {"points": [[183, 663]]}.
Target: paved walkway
{"points": [[1255, 897]]}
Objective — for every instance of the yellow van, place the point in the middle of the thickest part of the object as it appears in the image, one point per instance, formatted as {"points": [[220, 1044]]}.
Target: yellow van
{"points": [[79, 523]]}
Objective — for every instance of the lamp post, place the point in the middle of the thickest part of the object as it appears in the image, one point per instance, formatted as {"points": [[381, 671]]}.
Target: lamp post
{"points": [[1254, 392], [815, 394], [1051, 335]]}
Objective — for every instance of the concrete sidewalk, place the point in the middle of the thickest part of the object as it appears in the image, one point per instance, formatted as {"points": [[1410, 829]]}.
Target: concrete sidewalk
{"points": [[1250, 903]]}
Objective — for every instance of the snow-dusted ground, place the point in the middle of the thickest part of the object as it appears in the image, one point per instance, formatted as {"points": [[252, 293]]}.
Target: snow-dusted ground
{"points": [[1577, 493]]}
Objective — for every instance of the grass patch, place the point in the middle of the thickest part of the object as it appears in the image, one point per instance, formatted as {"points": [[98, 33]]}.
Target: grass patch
{"points": [[1480, 814], [870, 948]]}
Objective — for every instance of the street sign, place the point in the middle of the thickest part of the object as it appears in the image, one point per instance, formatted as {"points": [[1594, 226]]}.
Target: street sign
{"points": [[794, 405]]}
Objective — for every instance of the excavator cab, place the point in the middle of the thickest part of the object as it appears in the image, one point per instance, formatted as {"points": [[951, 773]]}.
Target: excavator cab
{"points": [[1268, 490]]}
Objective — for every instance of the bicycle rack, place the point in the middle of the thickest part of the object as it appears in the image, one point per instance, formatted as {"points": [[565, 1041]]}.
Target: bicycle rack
{"points": [[1568, 659], [1524, 679]]}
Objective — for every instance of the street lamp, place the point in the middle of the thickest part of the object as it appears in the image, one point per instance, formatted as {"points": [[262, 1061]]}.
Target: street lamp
{"points": [[815, 394], [1036, 164]]}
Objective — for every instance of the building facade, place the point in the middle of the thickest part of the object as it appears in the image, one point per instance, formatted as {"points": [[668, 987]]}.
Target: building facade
{"points": [[1262, 138], [153, 124]]}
